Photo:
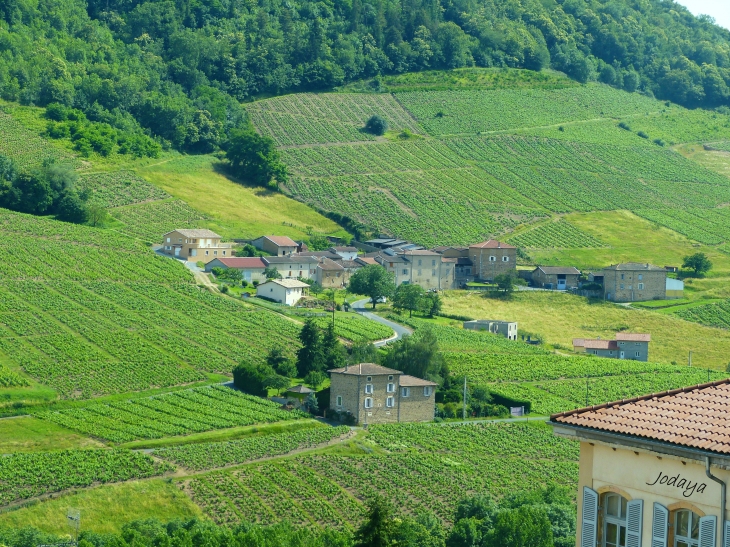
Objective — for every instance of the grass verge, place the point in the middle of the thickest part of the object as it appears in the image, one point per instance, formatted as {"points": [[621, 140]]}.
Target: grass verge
{"points": [[28, 434]]}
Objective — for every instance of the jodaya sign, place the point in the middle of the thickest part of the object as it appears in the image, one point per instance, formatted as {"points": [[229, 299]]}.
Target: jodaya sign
{"points": [[687, 486]]}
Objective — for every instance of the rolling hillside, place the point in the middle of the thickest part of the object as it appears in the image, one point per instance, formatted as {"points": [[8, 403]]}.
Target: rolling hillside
{"points": [[480, 162]]}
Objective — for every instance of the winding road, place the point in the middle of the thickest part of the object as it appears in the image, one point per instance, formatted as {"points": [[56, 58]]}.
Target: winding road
{"points": [[400, 330]]}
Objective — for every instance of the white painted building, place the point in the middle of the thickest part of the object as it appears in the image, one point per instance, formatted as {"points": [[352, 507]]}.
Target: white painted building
{"points": [[284, 291]]}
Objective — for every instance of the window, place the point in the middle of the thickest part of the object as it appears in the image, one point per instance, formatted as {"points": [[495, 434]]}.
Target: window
{"points": [[686, 528], [614, 520], [390, 402], [427, 391], [641, 286], [215, 253], [368, 402], [369, 378], [405, 271], [638, 354], [631, 287], [433, 263], [391, 388], [419, 272], [179, 240], [492, 259], [368, 388], [339, 400], [168, 240], [505, 259], [620, 343], [420, 262], [433, 273], [405, 392], [641, 276], [390, 378], [224, 253], [622, 276], [621, 286], [207, 253], [610, 352]]}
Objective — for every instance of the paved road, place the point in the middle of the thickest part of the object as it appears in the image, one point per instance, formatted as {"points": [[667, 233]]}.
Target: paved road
{"points": [[400, 331]]}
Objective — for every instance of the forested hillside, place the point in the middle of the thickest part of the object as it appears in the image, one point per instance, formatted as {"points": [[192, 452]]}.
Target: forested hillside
{"points": [[178, 70]]}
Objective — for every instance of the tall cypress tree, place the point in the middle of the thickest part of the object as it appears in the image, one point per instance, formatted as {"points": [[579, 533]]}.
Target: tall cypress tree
{"points": [[335, 355], [311, 355]]}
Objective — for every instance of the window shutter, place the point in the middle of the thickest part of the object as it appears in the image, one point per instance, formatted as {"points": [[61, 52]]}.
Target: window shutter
{"points": [[634, 520], [726, 536], [660, 526], [588, 535], [707, 531]]}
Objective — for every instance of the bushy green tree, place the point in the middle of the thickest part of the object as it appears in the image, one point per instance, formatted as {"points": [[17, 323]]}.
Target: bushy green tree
{"points": [[409, 297], [254, 158], [418, 355], [373, 281], [311, 355], [377, 125], [379, 528], [698, 263]]}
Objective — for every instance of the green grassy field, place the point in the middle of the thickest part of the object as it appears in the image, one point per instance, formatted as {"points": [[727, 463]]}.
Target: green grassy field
{"points": [[28, 434], [104, 509]]}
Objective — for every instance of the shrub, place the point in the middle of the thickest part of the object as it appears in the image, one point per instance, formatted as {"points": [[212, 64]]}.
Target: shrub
{"points": [[643, 135], [625, 126], [376, 125]]}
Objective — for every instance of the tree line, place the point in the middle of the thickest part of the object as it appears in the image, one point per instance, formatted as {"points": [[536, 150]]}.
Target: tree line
{"points": [[177, 71]]}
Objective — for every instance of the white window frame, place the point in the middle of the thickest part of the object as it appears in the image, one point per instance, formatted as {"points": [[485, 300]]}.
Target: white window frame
{"points": [[427, 391], [641, 276], [641, 286], [391, 388], [368, 402], [339, 400], [638, 354], [405, 392], [390, 402], [691, 542], [369, 389], [619, 522], [505, 259], [492, 259]]}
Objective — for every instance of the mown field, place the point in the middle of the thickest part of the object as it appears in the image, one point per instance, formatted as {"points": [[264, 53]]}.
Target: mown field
{"points": [[486, 160]]}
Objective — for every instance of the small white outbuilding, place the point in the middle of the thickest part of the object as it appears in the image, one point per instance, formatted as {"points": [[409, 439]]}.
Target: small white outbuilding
{"points": [[284, 291]]}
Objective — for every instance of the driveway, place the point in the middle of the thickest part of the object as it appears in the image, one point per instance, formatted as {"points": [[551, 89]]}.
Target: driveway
{"points": [[400, 331]]}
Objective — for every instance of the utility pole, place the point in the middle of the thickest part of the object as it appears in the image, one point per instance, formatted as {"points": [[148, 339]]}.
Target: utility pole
{"points": [[690, 358], [464, 408]]}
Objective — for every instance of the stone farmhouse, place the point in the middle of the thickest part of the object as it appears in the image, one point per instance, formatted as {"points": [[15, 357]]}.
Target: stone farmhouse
{"points": [[421, 267], [625, 346], [195, 245], [284, 291], [252, 268], [633, 282], [377, 395], [492, 258], [331, 275], [276, 245], [557, 278], [508, 329], [293, 266]]}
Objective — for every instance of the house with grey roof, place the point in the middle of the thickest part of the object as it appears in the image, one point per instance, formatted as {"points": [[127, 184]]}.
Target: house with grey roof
{"points": [[555, 277], [626, 345], [634, 282]]}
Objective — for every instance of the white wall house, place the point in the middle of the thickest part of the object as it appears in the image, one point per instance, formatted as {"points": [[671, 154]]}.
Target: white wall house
{"points": [[284, 291]]}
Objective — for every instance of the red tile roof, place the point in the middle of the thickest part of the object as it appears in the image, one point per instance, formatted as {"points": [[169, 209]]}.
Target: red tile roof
{"points": [[600, 344], [628, 337], [243, 262], [694, 417], [491, 244], [579, 342], [282, 241]]}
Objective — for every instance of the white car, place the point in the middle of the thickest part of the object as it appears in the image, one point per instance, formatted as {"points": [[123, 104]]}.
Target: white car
{"points": [[381, 300]]}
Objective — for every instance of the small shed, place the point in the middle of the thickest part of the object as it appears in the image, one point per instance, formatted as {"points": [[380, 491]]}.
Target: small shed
{"points": [[284, 291], [555, 277], [675, 288]]}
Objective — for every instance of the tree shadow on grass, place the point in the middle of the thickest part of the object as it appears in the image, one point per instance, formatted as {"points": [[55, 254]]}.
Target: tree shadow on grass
{"points": [[224, 169]]}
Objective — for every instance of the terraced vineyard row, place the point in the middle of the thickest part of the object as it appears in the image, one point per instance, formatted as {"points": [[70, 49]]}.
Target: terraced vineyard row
{"points": [[148, 221], [355, 327], [119, 188], [555, 235], [170, 414], [426, 464], [213, 455], [24, 476], [713, 315]]}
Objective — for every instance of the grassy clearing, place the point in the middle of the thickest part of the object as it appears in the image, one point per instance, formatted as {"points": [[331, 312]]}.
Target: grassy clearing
{"points": [[234, 210], [106, 508], [559, 318], [28, 434], [221, 435], [628, 238]]}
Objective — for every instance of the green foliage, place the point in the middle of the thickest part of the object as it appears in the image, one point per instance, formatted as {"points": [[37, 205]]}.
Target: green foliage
{"points": [[373, 281], [505, 283], [254, 158], [148, 221], [253, 379], [281, 363], [215, 407], [418, 355], [315, 379], [118, 188], [559, 234], [270, 272], [698, 263], [376, 125], [409, 297], [311, 355], [379, 528], [228, 274]]}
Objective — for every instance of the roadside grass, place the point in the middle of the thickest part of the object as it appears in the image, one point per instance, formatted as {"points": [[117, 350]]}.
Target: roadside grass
{"points": [[222, 435], [711, 159], [105, 509], [559, 318], [29, 434], [236, 210], [629, 239]]}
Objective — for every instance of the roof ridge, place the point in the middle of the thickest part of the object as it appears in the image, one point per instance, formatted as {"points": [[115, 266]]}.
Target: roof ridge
{"points": [[660, 394]]}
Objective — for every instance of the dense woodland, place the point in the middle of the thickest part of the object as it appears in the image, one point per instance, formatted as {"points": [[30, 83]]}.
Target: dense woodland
{"points": [[178, 70]]}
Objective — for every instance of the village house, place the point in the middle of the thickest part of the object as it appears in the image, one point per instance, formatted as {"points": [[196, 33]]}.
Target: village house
{"points": [[508, 329], [634, 282], [252, 268], [555, 277], [653, 470], [625, 346], [331, 275], [492, 258], [195, 245], [374, 395], [284, 291], [293, 267], [419, 267], [276, 245], [345, 253], [463, 266]]}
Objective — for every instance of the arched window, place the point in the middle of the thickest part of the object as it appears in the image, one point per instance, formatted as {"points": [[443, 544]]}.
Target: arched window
{"points": [[614, 520], [686, 528]]}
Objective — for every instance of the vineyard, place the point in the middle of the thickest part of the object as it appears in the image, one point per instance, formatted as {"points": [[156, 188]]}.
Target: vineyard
{"points": [[24, 476], [90, 312], [118, 188], [170, 414], [424, 466], [24, 147], [326, 118], [202, 456], [721, 146], [555, 235], [355, 327], [148, 221], [712, 315]]}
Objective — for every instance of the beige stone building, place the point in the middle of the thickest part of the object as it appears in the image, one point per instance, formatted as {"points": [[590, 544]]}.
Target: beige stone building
{"points": [[331, 274], [195, 245], [492, 258], [276, 245], [555, 277], [654, 470], [428, 269], [633, 282], [376, 395], [293, 267]]}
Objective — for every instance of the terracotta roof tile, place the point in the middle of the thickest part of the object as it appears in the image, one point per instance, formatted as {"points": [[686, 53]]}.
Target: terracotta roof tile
{"points": [[365, 369], [629, 337], [693, 417], [243, 262], [492, 244]]}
